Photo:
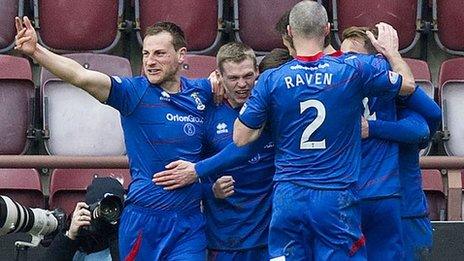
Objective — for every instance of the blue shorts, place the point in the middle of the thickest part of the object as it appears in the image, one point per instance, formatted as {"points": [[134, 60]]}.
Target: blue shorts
{"points": [[148, 234], [417, 237], [381, 224], [254, 254], [312, 224]]}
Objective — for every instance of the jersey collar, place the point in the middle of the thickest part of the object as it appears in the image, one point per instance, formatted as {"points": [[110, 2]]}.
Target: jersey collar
{"points": [[337, 53], [312, 58]]}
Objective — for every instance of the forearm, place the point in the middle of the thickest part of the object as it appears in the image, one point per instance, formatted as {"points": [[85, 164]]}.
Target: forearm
{"points": [[421, 103], [95, 83], [229, 157], [61, 248], [401, 67], [402, 131]]}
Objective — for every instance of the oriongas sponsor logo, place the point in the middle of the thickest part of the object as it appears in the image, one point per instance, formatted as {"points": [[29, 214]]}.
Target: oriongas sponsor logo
{"points": [[183, 118]]}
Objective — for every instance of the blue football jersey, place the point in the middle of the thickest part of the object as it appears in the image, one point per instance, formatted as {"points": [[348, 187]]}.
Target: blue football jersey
{"points": [[413, 200], [379, 161], [240, 221], [314, 107], [160, 128]]}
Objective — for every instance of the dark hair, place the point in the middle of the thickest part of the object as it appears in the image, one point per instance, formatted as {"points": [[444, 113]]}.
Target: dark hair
{"points": [[178, 37], [281, 25], [274, 59]]}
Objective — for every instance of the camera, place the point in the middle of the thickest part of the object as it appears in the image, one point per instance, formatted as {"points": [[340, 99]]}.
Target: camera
{"points": [[16, 218], [106, 211]]}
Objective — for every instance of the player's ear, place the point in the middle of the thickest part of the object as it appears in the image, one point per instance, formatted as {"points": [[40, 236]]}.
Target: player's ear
{"points": [[181, 53], [327, 29]]}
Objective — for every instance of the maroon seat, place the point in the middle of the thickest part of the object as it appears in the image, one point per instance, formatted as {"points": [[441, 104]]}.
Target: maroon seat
{"points": [[23, 186], [448, 33], [67, 186], [401, 14], [451, 89], [78, 123], [198, 66], [79, 25], [16, 92], [432, 184], [8, 10], [255, 27], [199, 19]]}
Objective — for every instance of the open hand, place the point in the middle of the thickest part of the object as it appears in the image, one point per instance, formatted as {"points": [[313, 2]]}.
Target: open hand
{"points": [[179, 173], [26, 37]]}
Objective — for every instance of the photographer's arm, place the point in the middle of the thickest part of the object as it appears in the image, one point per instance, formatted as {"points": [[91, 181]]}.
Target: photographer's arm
{"points": [[65, 245]]}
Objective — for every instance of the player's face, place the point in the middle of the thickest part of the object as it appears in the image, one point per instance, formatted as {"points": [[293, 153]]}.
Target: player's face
{"points": [[353, 44], [238, 79], [161, 63]]}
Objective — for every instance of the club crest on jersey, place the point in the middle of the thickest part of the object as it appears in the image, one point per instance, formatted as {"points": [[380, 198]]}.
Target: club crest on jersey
{"points": [[255, 159], [189, 129], [196, 98], [393, 77], [221, 128]]}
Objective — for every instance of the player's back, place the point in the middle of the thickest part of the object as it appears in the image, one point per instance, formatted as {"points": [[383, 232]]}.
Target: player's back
{"points": [[315, 117]]}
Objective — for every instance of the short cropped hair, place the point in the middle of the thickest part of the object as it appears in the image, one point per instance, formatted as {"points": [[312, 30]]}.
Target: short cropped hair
{"points": [[360, 32], [234, 52], [308, 19], [178, 37], [274, 59]]}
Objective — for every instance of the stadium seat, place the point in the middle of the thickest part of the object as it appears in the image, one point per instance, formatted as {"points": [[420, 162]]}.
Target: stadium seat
{"points": [[68, 186], [432, 184], [451, 86], [401, 14], [23, 186], [16, 94], [421, 72], [198, 66], [79, 25], [255, 27], [447, 18], [201, 20], [78, 124], [8, 10]]}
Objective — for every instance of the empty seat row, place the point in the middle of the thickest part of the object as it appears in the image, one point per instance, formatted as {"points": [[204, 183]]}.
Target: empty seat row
{"points": [[67, 186], [77, 123], [70, 112], [71, 26]]}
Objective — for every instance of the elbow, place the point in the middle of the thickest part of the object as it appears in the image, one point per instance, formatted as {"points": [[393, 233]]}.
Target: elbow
{"points": [[408, 86], [238, 140]]}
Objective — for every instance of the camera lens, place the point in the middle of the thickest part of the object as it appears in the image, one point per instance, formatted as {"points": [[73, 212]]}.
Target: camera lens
{"points": [[110, 209]]}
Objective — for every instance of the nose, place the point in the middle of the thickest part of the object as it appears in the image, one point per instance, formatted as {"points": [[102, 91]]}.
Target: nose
{"points": [[241, 83]]}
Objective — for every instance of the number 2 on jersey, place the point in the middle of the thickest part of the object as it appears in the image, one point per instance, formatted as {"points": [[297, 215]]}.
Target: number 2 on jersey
{"points": [[305, 142]]}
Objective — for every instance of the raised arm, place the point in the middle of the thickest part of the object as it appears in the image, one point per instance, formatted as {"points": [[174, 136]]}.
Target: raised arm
{"points": [[95, 83], [387, 44]]}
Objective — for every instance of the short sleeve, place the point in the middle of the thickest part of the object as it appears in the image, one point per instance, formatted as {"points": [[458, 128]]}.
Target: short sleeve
{"points": [[254, 112], [126, 93]]}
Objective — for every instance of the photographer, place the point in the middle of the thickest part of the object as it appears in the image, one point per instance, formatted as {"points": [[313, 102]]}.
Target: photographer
{"points": [[91, 236]]}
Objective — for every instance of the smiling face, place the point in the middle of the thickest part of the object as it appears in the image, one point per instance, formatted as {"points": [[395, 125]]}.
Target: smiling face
{"points": [[238, 79], [161, 62]]}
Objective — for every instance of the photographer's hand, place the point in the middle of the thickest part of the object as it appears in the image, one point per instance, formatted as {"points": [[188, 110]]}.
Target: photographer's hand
{"points": [[81, 217]]}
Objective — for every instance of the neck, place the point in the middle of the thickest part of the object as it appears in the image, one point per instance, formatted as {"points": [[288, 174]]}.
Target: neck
{"points": [[329, 49], [307, 47], [171, 85], [233, 103]]}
